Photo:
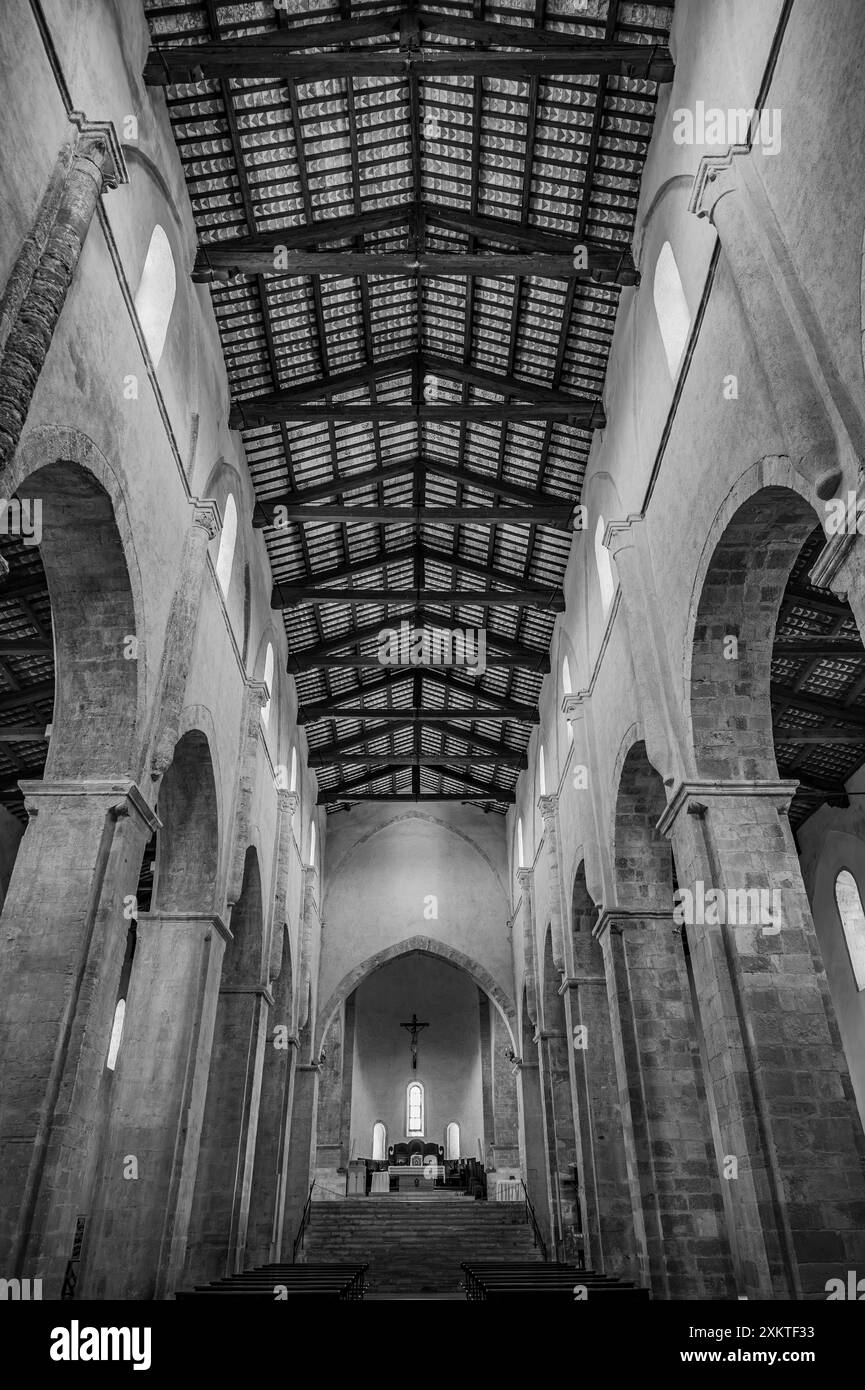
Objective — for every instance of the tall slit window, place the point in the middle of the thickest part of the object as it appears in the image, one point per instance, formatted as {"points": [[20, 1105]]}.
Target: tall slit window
{"points": [[154, 297], [268, 680], [566, 686], [379, 1142], [452, 1140], [542, 773], [671, 307], [414, 1110], [852, 916], [227, 539], [521, 858]]}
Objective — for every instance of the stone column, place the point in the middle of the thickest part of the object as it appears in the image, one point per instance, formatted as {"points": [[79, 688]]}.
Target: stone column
{"points": [[489, 1121], [345, 1134], [793, 1145], [40, 280], [180, 632], [62, 943], [820, 423], [627, 542], [301, 1151], [276, 1085], [559, 915], [526, 881], [672, 1174], [135, 1246], [576, 709], [506, 1148]]}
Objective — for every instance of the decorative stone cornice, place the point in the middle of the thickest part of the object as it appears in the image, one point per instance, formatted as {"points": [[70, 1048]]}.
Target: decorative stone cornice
{"points": [[713, 179], [114, 170], [689, 796], [548, 806], [287, 802], [208, 920], [258, 693], [263, 991], [206, 514], [574, 981], [618, 533], [574, 706], [617, 919], [526, 879]]}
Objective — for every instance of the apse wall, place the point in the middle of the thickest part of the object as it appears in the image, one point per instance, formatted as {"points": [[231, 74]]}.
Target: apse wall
{"points": [[449, 1057], [396, 873]]}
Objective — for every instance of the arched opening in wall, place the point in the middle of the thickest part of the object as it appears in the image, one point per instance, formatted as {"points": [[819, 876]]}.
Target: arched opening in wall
{"points": [[786, 666], [452, 1141], [247, 612], [566, 687], [187, 845], [312, 844], [72, 654], [852, 916], [292, 781], [542, 772], [227, 543], [267, 1198], [669, 1109], [414, 1046], [604, 566], [227, 1143], [154, 298], [671, 307], [521, 854]]}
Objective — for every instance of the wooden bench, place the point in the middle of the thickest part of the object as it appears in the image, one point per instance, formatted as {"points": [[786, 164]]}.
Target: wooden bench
{"points": [[279, 1282], [487, 1281]]}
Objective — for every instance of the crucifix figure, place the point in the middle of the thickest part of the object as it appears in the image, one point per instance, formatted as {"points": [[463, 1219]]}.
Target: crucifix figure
{"points": [[414, 1028]]}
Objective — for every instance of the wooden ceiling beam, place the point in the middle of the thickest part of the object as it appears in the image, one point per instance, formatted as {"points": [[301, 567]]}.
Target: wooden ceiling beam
{"points": [[421, 714], [290, 595], [272, 56], [498, 796], [483, 700], [515, 760], [557, 516]]}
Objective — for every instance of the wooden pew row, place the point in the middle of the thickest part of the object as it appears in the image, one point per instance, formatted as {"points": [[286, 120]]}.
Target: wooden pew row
{"points": [[276, 1283], [486, 1281]]}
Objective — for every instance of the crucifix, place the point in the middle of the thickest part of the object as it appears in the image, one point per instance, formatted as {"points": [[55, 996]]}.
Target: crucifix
{"points": [[414, 1028]]}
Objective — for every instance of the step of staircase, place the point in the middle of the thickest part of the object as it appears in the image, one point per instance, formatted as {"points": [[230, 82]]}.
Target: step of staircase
{"points": [[417, 1244]]}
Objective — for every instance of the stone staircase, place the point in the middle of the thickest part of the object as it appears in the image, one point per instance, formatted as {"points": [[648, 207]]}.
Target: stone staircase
{"points": [[415, 1244]]}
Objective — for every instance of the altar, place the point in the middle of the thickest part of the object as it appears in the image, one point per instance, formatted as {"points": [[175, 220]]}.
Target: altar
{"points": [[415, 1177]]}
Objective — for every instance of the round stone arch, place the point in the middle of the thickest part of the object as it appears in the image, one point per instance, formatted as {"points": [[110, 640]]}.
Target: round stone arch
{"points": [[97, 603], [426, 946], [752, 546]]}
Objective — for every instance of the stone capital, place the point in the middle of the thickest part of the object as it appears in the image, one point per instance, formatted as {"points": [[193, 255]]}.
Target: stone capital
{"points": [[691, 797], [716, 175], [206, 514], [526, 878], [287, 802], [125, 794], [548, 806], [101, 137], [617, 920], [207, 920], [828, 569], [263, 991], [259, 693]]}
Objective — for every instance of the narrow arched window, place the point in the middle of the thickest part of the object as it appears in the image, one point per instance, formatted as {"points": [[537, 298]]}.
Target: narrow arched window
{"points": [[452, 1140], [521, 858], [605, 566], [414, 1110], [227, 541], [312, 843], [566, 686], [116, 1034], [379, 1142], [671, 307], [852, 916], [154, 297], [292, 781], [542, 772], [268, 680]]}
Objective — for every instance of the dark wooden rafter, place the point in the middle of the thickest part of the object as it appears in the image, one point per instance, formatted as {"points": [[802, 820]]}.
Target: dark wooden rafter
{"points": [[289, 595], [289, 250], [273, 55]]}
